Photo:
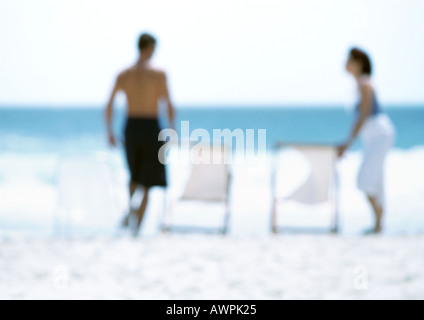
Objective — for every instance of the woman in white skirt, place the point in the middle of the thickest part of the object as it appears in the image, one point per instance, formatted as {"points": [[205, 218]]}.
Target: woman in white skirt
{"points": [[377, 134]]}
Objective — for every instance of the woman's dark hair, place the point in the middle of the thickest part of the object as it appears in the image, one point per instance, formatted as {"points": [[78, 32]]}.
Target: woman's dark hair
{"points": [[363, 58], [145, 41]]}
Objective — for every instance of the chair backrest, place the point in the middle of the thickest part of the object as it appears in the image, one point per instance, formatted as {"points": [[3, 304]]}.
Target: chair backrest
{"points": [[86, 193], [209, 182], [320, 182]]}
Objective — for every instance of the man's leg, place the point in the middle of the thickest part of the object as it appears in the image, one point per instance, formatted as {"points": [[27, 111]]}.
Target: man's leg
{"points": [[132, 189], [142, 210], [378, 211]]}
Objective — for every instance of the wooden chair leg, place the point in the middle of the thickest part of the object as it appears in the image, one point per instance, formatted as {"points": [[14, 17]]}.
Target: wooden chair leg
{"points": [[165, 228], [227, 217], [274, 217], [336, 225]]}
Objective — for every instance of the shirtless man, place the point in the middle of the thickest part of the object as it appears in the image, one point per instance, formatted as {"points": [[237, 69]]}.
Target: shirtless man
{"points": [[143, 87]]}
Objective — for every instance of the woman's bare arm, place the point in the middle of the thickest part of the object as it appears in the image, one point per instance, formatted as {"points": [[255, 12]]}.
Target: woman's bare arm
{"points": [[365, 111]]}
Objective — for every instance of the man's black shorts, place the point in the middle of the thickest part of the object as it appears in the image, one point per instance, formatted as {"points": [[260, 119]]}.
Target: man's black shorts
{"points": [[142, 149]]}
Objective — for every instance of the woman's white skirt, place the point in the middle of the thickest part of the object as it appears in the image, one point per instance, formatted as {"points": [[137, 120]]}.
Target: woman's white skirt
{"points": [[378, 135]]}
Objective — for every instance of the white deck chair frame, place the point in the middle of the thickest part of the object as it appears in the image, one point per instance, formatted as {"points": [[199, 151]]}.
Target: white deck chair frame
{"points": [[334, 195], [171, 203], [62, 225]]}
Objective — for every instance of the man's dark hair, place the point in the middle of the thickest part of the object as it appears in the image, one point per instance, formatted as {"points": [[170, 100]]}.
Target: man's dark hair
{"points": [[363, 58], [145, 41]]}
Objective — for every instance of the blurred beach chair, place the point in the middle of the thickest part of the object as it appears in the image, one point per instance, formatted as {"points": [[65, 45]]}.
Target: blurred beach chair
{"points": [[320, 186], [209, 184], [87, 200]]}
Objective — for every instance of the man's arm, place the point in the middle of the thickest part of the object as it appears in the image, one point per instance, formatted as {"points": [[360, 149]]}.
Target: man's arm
{"points": [[164, 94], [109, 114], [365, 107]]}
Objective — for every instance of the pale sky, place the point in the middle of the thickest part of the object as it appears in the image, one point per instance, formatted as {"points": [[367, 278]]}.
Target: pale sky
{"points": [[228, 52]]}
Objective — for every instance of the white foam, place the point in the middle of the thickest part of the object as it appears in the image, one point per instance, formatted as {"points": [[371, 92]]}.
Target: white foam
{"points": [[248, 264], [28, 194]]}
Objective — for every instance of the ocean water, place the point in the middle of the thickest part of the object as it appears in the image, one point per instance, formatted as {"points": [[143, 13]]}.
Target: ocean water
{"points": [[78, 129], [36, 142]]}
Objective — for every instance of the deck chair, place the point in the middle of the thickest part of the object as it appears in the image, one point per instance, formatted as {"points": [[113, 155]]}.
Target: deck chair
{"points": [[208, 184], [87, 200], [321, 185]]}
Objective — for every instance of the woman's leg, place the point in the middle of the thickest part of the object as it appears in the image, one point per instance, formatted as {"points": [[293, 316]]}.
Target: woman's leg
{"points": [[371, 177], [378, 211]]}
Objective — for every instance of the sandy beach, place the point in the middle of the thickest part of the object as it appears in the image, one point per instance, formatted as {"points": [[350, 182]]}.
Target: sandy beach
{"points": [[212, 267], [250, 263], [275, 136]]}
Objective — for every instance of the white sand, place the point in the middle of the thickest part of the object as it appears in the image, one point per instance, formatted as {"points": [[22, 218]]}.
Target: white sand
{"points": [[212, 267]]}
